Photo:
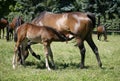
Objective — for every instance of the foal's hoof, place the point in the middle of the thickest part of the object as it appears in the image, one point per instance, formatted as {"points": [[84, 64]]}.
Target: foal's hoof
{"points": [[14, 66], [38, 57]]}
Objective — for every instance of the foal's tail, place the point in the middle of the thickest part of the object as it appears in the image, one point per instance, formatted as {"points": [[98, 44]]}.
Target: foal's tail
{"points": [[92, 17]]}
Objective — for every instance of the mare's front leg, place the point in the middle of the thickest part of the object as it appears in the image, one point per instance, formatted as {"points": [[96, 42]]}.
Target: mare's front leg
{"points": [[82, 52], [94, 48]]}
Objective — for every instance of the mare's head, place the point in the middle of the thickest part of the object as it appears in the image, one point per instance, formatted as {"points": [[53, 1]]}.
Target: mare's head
{"points": [[19, 21]]}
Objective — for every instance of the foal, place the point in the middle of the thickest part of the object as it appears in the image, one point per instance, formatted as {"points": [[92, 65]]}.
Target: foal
{"points": [[37, 34]]}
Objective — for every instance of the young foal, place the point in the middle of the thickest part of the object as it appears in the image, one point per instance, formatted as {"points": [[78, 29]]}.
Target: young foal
{"points": [[37, 34], [3, 23], [101, 30], [74, 24]]}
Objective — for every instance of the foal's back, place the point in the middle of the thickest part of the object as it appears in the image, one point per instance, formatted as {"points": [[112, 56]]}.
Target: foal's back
{"points": [[39, 33]]}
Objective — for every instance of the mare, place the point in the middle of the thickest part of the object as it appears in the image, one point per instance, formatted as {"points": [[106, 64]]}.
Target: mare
{"points": [[17, 21], [3, 23], [38, 34], [101, 30], [72, 24]]}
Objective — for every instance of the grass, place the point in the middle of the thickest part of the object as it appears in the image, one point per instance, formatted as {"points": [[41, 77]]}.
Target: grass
{"points": [[67, 59]]}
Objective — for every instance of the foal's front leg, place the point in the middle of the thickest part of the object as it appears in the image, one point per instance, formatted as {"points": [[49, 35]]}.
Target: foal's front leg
{"points": [[51, 55], [14, 61], [46, 52]]}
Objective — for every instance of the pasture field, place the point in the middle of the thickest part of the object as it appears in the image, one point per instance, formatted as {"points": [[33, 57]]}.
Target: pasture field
{"points": [[67, 59]]}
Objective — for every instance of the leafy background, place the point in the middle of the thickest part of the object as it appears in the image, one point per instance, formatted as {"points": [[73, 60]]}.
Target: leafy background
{"points": [[106, 11]]}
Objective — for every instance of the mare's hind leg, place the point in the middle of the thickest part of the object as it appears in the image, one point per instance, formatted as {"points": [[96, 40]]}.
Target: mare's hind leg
{"points": [[82, 52], [94, 48]]}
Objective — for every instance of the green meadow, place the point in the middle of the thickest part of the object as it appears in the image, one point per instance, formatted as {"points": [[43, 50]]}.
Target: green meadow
{"points": [[67, 60]]}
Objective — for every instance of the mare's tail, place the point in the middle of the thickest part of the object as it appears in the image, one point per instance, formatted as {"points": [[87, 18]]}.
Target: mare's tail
{"points": [[92, 17]]}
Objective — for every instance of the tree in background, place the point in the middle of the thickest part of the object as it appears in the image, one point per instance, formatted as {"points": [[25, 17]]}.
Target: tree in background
{"points": [[105, 10], [4, 7]]}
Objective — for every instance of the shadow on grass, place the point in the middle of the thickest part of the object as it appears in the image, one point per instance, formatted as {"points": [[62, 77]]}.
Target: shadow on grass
{"points": [[58, 65], [62, 65]]}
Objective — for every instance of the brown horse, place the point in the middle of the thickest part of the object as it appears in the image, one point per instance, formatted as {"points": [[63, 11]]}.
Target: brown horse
{"points": [[74, 24], [3, 23], [101, 30], [17, 21], [38, 34]]}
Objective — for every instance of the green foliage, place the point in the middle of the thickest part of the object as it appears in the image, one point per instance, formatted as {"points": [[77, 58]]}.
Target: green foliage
{"points": [[67, 59], [105, 10]]}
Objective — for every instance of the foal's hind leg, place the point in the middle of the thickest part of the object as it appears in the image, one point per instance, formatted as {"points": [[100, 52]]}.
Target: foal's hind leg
{"points": [[94, 48]]}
